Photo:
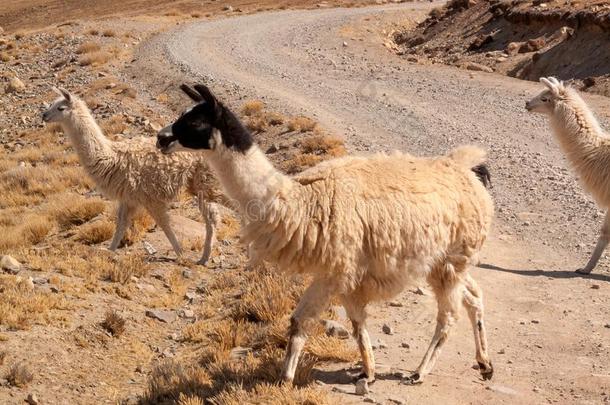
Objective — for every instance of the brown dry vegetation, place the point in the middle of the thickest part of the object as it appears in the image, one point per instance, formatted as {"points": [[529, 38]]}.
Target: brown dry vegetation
{"points": [[19, 375]]}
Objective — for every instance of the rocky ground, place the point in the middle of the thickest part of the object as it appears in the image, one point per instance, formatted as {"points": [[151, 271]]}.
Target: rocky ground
{"points": [[526, 40], [190, 331]]}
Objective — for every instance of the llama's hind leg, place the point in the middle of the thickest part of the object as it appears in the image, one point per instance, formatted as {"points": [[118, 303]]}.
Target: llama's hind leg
{"points": [[473, 301], [356, 311], [315, 300], [161, 217], [448, 290], [602, 243], [210, 214], [124, 214]]}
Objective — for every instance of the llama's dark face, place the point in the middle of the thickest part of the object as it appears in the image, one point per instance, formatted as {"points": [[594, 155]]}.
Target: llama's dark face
{"points": [[60, 108], [194, 130], [206, 126]]}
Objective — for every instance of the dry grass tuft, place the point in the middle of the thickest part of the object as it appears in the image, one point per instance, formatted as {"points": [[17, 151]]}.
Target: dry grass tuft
{"points": [[30, 230], [141, 223], [109, 33], [301, 124], [114, 323], [21, 305], [257, 123], [95, 232], [94, 58], [70, 209], [170, 381], [252, 107], [300, 162], [114, 126], [125, 268], [327, 145], [274, 118], [93, 31], [2, 357], [19, 375], [88, 47]]}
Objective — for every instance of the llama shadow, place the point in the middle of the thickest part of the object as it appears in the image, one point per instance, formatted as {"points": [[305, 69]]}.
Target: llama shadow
{"points": [[547, 273], [349, 376]]}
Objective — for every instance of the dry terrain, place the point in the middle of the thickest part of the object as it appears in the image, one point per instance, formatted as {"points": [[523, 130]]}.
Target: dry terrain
{"points": [[79, 324]]}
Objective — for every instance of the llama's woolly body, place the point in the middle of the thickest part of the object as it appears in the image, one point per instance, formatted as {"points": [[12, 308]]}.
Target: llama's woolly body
{"points": [[134, 170], [585, 144], [375, 223]]}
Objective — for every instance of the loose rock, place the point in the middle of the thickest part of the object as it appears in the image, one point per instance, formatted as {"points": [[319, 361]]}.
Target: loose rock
{"points": [[334, 328], [387, 329], [362, 387], [10, 264], [160, 315], [14, 86], [32, 399]]}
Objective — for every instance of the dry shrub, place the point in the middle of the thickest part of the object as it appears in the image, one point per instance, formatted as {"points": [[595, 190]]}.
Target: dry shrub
{"points": [[274, 118], [88, 47], [196, 15], [173, 13], [114, 323], [21, 305], [108, 33], [257, 123], [93, 31], [2, 357], [330, 146], [114, 126], [300, 162], [19, 375], [301, 124], [126, 90], [170, 381], [95, 232], [72, 209], [30, 230], [125, 268], [252, 107], [5, 57], [94, 58], [272, 394]]}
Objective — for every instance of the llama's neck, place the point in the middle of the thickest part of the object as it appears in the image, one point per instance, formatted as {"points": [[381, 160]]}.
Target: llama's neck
{"points": [[576, 127], [86, 136], [248, 178]]}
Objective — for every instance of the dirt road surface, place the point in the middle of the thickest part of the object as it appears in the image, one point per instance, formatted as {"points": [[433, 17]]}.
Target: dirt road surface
{"points": [[549, 328]]}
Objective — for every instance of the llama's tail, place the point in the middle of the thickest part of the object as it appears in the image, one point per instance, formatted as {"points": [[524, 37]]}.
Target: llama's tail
{"points": [[473, 158]]}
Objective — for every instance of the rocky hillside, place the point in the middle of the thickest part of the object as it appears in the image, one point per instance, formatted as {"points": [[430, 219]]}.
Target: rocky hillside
{"points": [[524, 39]]}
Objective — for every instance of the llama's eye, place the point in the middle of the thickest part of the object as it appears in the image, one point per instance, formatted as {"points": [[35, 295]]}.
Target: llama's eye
{"points": [[62, 108], [545, 99]]}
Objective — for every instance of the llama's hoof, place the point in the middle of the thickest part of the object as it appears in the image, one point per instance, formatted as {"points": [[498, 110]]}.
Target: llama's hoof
{"points": [[487, 371], [413, 379], [202, 262], [364, 375], [584, 271]]}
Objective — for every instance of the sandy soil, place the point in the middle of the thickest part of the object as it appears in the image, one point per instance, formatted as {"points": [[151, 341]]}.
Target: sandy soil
{"points": [[548, 326]]}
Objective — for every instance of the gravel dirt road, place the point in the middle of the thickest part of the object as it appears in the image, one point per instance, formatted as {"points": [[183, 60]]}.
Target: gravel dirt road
{"points": [[549, 328]]}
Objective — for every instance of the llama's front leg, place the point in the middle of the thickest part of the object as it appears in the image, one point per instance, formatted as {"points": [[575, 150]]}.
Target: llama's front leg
{"points": [[448, 296], [124, 213], [162, 219], [210, 215], [356, 311], [473, 301], [602, 243], [315, 300]]}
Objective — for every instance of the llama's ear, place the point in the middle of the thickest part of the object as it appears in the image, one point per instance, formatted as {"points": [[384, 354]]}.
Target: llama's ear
{"points": [[191, 93], [546, 82], [206, 94], [65, 93]]}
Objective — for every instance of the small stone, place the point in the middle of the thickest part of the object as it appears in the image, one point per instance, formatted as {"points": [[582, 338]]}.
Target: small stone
{"points": [[405, 345], [272, 149], [10, 264], [379, 344], [387, 329], [344, 43], [595, 287], [14, 86], [396, 401], [148, 248], [607, 325], [187, 313], [228, 8], [186, 273], [421, 291], [32, 399], [238, 353], [54, 289], [502, 389], [501, 351], [395, 304], [362, 387], [478, 67], [535, 321], [161, 315], [334, 328], [140, 369], [191, 296]]}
